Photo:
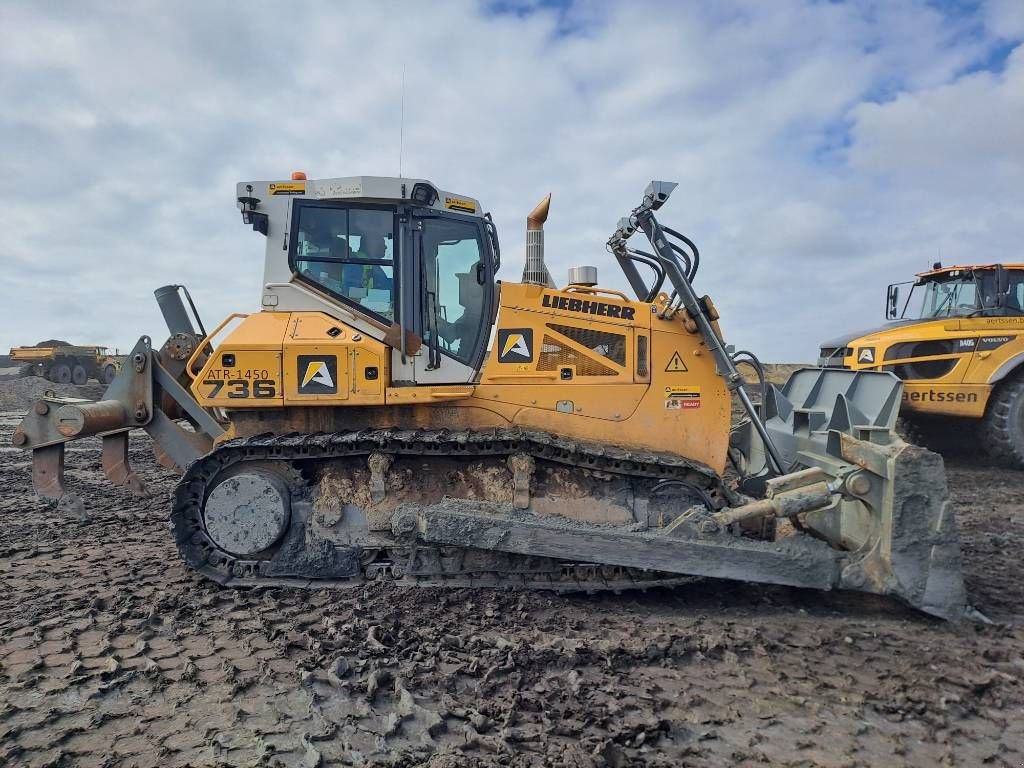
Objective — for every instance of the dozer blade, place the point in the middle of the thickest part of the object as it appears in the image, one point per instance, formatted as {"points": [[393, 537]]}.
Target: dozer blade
{"points": [[871, 513]]}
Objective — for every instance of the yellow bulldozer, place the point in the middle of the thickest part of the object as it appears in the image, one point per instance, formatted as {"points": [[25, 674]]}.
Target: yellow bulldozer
{"points": [[955, 337], [396, 412]]}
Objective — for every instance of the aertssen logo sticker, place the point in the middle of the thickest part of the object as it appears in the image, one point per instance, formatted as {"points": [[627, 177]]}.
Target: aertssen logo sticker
{"points": [[866, 355], [318, 374], [515, 345]]}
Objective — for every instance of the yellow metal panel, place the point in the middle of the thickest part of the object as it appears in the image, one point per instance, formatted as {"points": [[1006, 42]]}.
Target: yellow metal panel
{"points": [[613, 402], [261, 330], [244, 371], [967, 400], [328, 362]]}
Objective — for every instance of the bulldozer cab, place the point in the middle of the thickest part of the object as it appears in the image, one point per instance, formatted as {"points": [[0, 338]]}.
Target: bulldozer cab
{"points": [[396, 259]]}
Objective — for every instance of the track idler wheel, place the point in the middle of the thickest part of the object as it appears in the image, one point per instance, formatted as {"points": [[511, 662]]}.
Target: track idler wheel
{"points": [[248, 512]]}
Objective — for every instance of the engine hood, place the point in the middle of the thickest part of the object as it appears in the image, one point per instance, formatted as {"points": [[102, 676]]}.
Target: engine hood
{"points": [[846, 338]]}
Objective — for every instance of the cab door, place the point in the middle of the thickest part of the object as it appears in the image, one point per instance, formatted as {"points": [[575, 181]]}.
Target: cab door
{"points": [[999, 336], [453, 298]]}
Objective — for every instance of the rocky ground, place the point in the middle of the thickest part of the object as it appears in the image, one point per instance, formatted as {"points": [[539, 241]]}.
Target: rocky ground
{"points": [[111, 653]]}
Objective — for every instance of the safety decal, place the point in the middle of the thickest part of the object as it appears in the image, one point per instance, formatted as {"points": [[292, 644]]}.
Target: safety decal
{"points": [[866, 355], [682, 398], [515, 345], [676, 364], [318, 374], [287, 188], [459, 204]]}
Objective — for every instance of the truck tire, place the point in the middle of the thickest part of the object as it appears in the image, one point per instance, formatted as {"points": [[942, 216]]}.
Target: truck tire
{"points": [[1003, 426], [78, 375], [108, 373], [947, 435], [61, 373]]}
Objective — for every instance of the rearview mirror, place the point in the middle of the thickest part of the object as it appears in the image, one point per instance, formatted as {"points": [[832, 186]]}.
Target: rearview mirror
{"points": [[892, 300]]}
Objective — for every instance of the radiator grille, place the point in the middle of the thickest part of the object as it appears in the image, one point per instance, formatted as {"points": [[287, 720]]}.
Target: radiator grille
{"points": [[554, 356], [610, 345]]}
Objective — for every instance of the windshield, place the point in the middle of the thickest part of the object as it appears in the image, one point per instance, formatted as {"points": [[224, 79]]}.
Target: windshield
{"points": [[965, 295]]}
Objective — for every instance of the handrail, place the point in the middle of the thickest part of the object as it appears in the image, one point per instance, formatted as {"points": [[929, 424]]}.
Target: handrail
{"points": [[589, 289], [206, 342]]}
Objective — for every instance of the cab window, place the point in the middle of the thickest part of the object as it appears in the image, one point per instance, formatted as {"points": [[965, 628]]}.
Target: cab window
{"points": [[1015, 294], [454, 277], [349, 252]]}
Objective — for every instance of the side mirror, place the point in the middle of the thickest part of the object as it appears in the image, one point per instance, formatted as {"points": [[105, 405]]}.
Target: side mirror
{"points": [[260, 223], [892, 301]]}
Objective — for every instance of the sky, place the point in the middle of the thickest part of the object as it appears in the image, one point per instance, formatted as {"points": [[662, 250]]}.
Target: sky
{"points": [[823, 149]]}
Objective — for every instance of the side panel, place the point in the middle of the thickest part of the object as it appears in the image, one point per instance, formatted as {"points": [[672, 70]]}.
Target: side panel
{"points": [[274, 359], [245, 369], [558, 355], [326, 362], [967, 400]]}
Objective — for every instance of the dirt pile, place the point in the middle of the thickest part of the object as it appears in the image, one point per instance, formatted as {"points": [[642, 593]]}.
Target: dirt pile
{"points": [[111, 653], [18, 394]]}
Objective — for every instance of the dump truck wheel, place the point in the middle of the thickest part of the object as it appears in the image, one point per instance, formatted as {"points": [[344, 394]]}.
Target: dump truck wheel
{"points": [[1003, 425], [942, 434], [61, 373], [109, 372], [78, 375]]}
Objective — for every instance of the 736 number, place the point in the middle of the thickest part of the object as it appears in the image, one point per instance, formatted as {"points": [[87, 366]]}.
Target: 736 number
{"points": [[242, 389]]}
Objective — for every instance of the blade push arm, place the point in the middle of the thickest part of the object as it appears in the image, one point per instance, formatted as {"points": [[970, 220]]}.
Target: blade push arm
{"points": [[642, 217]]}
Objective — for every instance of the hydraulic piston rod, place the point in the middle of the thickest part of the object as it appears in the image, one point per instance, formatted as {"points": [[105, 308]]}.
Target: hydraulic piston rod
{"points": [[84, 419]]}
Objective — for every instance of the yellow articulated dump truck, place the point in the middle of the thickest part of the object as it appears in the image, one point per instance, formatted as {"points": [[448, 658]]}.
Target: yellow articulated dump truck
{"points": [[67, 363], [363, 425], [956, 340]]}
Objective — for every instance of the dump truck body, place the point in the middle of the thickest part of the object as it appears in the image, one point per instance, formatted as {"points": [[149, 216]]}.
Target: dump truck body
{"points": [[66, 364], [358, 427]]}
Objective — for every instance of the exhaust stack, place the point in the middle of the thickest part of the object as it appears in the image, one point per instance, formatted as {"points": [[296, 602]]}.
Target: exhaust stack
{"points": [[535, 271]]}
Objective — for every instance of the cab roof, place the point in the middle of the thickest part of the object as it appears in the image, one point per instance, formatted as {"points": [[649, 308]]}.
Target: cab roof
{"points": [[944, 271], [371, 188]]}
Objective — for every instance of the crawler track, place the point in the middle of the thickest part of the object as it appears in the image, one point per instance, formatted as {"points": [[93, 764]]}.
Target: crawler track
{"points": [[454, 567]]}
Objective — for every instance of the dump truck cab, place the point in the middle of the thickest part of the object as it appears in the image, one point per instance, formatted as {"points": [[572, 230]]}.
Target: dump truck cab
{"points": [[955, 337]]}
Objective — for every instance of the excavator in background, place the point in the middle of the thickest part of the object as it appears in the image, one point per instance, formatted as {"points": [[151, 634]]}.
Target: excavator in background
{"points": [[363, 425], [956, 340]]}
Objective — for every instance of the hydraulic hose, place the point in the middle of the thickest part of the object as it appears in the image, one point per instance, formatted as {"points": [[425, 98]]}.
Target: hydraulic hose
{"points": [[689, 244]]}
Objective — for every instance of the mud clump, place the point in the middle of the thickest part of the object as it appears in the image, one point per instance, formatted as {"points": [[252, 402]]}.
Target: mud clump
{"points": [[113, 653], [18, 394]]}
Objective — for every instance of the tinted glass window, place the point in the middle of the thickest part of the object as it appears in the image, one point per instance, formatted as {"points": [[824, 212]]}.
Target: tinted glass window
{"points": [[452, 258], [1015, 294], [350, 253]]}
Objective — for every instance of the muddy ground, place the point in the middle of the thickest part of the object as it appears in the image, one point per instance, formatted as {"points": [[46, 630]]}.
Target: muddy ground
{"points": [[111, 653]]}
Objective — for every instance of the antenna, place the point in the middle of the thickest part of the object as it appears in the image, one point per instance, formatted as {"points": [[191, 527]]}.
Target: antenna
{"points": [[401, 125]]}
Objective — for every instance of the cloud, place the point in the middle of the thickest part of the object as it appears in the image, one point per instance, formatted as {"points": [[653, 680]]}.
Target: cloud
{"points": [[823, 150]]}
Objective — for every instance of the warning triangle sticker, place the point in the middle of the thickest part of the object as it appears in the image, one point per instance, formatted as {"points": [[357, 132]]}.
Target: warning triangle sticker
{"points": [[676, 364]]}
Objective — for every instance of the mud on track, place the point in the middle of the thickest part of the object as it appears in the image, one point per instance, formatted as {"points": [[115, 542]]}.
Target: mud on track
{"points": [[111, 653]]}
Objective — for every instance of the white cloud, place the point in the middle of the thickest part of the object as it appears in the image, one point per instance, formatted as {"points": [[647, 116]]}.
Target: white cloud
{"points": [[822, 149]]}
